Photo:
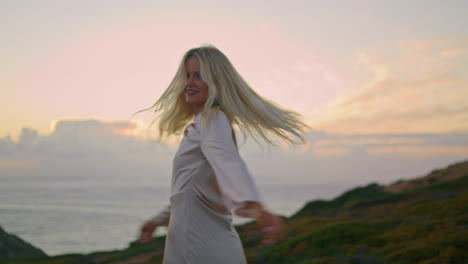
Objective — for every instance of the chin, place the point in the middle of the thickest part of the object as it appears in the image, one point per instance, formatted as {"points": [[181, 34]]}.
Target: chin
{"points": [[189, 101], [194, 101]]}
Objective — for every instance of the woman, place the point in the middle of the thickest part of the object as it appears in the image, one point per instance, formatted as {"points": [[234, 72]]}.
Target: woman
{"points": [[209, 179]]}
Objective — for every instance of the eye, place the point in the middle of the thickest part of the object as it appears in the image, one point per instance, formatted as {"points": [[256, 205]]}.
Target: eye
{"points": [[198, 75]]}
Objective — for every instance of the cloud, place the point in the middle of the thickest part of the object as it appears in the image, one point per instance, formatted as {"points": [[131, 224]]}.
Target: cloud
{"points": [[15, 163], [403, 145], [330, 151], [421, 87], [369, 140], [98, 149], [422, 151], [358, 158], [85, 148]]}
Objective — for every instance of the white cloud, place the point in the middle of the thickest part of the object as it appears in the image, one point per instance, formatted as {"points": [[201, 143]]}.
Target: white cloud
{"points": [[98, 149], [85, 148]]}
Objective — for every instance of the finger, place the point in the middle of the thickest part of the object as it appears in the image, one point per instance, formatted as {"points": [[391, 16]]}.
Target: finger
{"points": [[144, 228], [270, 236], [145, 236], [273, 234], [268, 241], [245, 212], [144, 239]]}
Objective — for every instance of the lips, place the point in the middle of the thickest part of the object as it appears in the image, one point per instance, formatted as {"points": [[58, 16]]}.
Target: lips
{"points": [[191, 91]]}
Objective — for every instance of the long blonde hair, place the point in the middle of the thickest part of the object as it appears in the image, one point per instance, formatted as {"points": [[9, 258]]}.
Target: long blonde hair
{"points": [[252, 114]]}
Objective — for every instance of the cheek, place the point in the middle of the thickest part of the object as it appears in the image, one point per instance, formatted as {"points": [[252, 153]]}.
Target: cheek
{"points": [[204, 89]]}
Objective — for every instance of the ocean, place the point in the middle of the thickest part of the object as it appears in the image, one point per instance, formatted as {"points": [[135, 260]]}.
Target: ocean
{"points": [[82, 215]]}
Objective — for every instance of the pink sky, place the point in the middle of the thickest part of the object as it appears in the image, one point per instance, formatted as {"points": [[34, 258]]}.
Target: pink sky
{"points": [[329, 62], [113, 72], [352, 70]]}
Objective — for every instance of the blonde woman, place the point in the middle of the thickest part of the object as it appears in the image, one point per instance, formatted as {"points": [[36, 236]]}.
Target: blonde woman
{"points": [[207, 99]]}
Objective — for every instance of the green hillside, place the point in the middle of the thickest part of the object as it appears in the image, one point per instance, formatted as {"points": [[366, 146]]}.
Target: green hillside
{"points": [[422, 220], [12, 246]]}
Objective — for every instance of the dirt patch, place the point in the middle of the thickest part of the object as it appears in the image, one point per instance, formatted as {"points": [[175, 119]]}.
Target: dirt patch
{"points": [[450, 173], [140, 258]]}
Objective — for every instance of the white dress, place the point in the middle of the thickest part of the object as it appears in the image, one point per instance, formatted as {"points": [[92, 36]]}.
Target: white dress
{"points": [[209, 181]]}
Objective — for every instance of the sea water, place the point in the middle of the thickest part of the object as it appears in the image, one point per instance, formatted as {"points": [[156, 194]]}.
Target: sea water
{"points": [[82, 215]]}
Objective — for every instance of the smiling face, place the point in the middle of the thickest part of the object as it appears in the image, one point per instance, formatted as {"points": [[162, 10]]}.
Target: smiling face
{"points": [[196, 90]]}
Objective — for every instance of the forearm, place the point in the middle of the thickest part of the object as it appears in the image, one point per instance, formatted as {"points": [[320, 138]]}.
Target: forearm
{"points": [[251, 209], [272, 225], [162, 218]]}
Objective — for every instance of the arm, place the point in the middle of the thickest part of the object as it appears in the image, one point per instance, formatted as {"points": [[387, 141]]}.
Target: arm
{"points": [[271, 225], [162, 217], [234, 179], [148, 228], [237, 186]]}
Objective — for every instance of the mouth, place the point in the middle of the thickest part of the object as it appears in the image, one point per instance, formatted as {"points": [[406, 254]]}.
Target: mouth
{"points": [[191, 91]]}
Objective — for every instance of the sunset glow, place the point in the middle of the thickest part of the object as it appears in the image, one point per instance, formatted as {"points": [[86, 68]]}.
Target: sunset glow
{"points": [[367, 84]]}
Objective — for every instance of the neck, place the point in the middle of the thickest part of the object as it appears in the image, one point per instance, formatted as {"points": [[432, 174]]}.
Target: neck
{"points": [[197, 110]]}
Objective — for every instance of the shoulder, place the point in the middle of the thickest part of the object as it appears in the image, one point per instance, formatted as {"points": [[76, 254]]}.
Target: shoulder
{"points": [[214, 117], [215, 121], [220, 117]]}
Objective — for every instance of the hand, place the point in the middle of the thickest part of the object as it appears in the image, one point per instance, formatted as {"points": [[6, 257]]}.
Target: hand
{"points": [[271, 225], [147, 231]]}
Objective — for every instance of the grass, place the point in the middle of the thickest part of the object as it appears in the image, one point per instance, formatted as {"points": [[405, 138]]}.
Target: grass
{"points": [[428, 224]]}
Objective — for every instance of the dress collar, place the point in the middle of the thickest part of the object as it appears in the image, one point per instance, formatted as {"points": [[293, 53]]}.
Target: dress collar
{"points": [[197, 118]]}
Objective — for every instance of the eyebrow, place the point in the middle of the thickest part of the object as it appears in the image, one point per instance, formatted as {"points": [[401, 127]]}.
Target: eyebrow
{"points": [[198, 73]]}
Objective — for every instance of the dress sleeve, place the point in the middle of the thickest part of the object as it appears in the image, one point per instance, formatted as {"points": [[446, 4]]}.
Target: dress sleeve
{"points": [[234, 179], [162, 217]]}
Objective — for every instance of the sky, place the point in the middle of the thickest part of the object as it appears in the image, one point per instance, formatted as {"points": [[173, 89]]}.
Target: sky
{"points": [[382, 84]]}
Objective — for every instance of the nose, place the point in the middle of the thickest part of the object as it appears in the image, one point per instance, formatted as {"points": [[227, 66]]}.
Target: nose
{"points": [[189, 81]]}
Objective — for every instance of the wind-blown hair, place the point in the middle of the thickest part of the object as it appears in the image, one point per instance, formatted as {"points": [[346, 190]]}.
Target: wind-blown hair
{"points": [[252, 114]]}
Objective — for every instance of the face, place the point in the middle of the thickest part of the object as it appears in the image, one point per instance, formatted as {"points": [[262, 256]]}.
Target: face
{"points": [[196, 90]]}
